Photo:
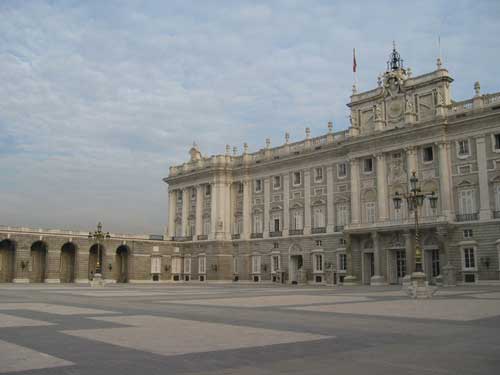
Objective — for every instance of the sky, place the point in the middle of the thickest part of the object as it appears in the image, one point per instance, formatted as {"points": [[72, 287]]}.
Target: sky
{"points": [[99, 98]]}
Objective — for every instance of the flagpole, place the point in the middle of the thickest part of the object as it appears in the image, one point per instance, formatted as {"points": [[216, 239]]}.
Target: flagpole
{"points": [[354, 71]]}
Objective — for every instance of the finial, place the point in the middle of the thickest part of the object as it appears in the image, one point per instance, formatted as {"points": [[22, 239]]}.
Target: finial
{"points": [[287, 137], [330, 126], [268, 143], [393, 45], [195, 146], [408, 72], [228, 149], [308, 133], [395, 61], [439, 63], [235, 150], [477, 88], [245, 148], [379, 80], [354, 89]]}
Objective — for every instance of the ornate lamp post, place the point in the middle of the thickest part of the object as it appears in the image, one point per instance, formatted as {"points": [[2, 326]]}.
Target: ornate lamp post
{"points": [[415, 199], [98, 236]]}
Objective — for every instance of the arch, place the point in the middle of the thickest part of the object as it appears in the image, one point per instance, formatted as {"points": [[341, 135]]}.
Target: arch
{"points": [[38, 262], [7, 260], [121, 264], [431, 241], [276, 208], [96, 251], [318, 202], [68, 262], [370, 195]]}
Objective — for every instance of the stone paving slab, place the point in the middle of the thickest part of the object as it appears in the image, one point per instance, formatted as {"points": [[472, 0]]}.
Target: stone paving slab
{"points": [[445, 309], [493, 295], [171, 336], [8, 321], [53, 309], [270, 301], [14, 358]]}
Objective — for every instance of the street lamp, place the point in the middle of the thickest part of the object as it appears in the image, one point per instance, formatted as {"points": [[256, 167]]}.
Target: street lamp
{"points": [[415, 199], [98, 236]]}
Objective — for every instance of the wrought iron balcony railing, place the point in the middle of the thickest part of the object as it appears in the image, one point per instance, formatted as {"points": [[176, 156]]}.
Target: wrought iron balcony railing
{"points": [[276, 234], [296, 232], [256, 235], [468, 217], [318, 230]]}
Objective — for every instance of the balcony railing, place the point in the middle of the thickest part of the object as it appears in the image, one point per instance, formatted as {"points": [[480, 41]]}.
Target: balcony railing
{"points": [[318, 230], [235, 236], [467, 217], [276, 234], [496, 214], [296, 232], [256, 235], [202, 237], [183, 238], [339, 228]]}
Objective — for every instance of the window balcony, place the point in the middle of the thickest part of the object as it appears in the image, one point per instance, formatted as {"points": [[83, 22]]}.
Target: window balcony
{"points": [[183, 238], [296, 232], [256, 235], [496, 214], [276, 234], [467, 217], [235, 236], [202, 237], [339, 228], [318, 230]]}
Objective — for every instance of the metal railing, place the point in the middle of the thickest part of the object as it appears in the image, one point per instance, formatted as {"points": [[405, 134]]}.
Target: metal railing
{"points": [[256, 235], [275, 234], [339, 228], [467, 217], [235, 236], [296, 232], [202, 237], [496, 214], [318, 230]]}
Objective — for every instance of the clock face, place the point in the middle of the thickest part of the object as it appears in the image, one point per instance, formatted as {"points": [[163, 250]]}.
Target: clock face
{"points": [[395, 108]]}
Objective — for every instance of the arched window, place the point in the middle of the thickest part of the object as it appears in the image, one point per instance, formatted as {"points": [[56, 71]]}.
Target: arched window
{"points": [[318, 217]]}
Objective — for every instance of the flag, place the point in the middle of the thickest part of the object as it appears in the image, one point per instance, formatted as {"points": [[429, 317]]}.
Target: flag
{"points": [[354, 65]]}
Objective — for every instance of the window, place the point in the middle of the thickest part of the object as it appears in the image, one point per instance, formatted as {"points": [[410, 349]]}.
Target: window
{"points": [[240, 188], [468, 233], [235, 264], [297, 220], [319, 243], [318, 262], [466, 202], [187, 265], [435, 263], [257, 223], [275, 263], [276, 245], [463, 147], [342, 262], [297, 178], [208, 190], [342, 214], [400, 263], [193, 193], [276, 182], [256, 259], [368, 165], [206, 226], [275, 223], [258, 185], [318, 174], [342, 241], [176, 265], [341, 170], [497, 197], [238, 225], [318, 217], [469, 258], [202, 264], [370, 212], [428, 154], [191, 228], [497, 142]]}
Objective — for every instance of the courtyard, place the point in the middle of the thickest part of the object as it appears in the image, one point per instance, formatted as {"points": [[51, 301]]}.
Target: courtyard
{"points": [[247, 329]]}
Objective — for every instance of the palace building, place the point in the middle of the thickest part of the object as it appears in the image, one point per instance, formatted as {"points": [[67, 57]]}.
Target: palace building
{"points": [[324, 210]]}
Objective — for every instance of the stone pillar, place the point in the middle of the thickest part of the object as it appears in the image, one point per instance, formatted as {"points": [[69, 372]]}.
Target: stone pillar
{"points": [[53, 264], [330, 206], [307, 202], [172, 201], [228, 194], [484, 189], [355, 192], [410, 264], [247, 208], [267, 205], [185, 210], [382, 199], [286, 204], [23, 256], [199, 211], [350, 278], [445, 180], [411, 159], [377, 278], [82, 265], [214, 214]]}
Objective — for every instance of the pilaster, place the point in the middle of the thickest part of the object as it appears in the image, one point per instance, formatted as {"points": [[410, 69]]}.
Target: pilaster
{"points": [[330, 210], [383, 209], [355, 193], [172, 200], [377, 278], [185, 210], [286, 204], [307, 202], [199, 212], [484, 191], [267, 205], [247, 208], [445, 180]]}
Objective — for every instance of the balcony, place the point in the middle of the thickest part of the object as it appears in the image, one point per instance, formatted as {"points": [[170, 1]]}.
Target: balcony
{"points": [[256, 235], [468, 217], [318, 230], [183, 238], [202, 237], [496, 214], [296, 232], [275, 234], [339, 228], [235, 236]]}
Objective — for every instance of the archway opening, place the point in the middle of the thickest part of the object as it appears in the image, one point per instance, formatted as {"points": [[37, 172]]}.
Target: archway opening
{"points": [[7, 260], [121, 264], [96, 252], [38, 263], [68, 263]]}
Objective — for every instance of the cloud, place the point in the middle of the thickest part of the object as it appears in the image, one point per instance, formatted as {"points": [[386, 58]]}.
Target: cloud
{"points": [[99, 98]]}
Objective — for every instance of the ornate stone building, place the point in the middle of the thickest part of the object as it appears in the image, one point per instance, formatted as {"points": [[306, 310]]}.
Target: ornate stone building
{"points": [[322, 209], [316, 211]]}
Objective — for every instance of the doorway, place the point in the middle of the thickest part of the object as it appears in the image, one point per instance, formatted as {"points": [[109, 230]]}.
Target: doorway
{"points": [[7, 261], [295, 269], [368, 267], [38, 263], [121, 264], [68, 263]]}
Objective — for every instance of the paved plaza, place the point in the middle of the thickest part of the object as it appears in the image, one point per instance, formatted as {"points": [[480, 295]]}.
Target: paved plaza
{"points": [[247, 329]]}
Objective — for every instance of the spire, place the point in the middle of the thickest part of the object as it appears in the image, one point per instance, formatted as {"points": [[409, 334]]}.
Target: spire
{"points": [[395, 61]]}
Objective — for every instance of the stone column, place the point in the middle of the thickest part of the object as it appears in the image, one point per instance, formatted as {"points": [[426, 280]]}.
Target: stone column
{"points": [[199, 211], [247, 208], [267, 205], [484, 189], [383, 209], [355, 192], [172, 200], [350, 278], [286, 204], [228, 195], [377, 278], [53, 264], [82, 265], [307, 202], [214, 214], [410, 264], [23, 256], [445, 180], [185, 210], [330, 210]]}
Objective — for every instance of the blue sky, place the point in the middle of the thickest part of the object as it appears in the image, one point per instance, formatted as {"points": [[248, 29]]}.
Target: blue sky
{"points": [[98, 98]]}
